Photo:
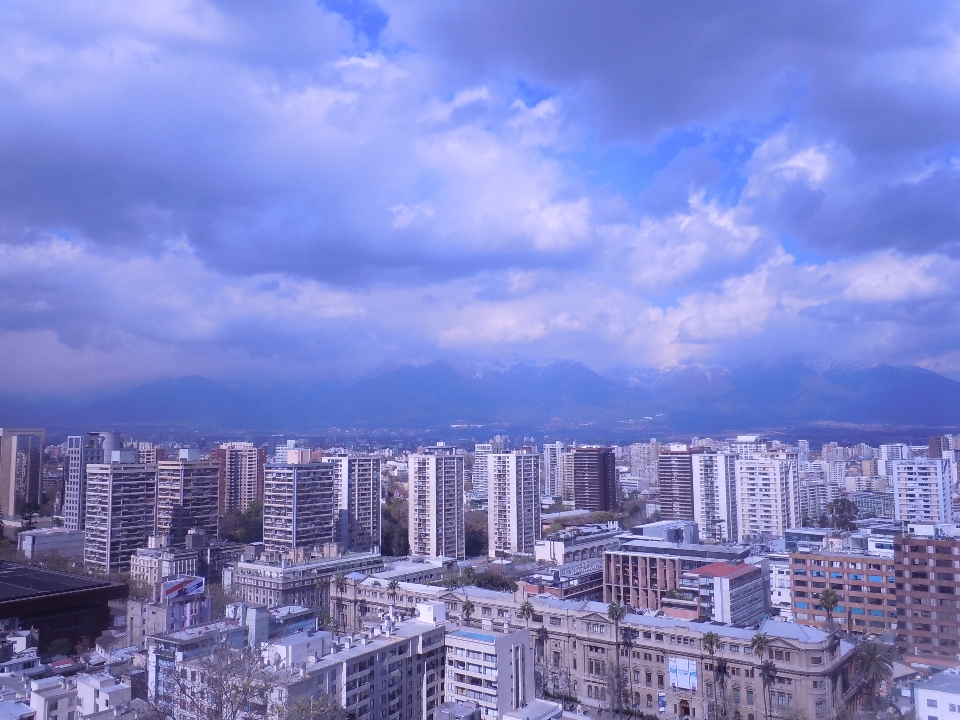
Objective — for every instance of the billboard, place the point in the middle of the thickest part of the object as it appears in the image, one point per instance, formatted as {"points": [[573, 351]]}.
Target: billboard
{"points": [[683, 673], [661, 701], [190, 585]]}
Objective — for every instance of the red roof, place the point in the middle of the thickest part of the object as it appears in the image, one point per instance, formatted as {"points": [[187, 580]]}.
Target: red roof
{"points": [[725, 569]]}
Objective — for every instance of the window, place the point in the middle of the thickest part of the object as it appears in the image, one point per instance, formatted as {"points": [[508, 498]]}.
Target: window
{"points": [[649, 678], [931, 702], [816, 660], [819, 708], [555, 621], [736, 694], [659, 680], [751, 696], [953, 707], [649, 700], [709, 690]]}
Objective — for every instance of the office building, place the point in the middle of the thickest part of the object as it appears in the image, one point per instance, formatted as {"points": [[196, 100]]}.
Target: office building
{"points": [[582, 542], [714, 493], [159, 561], [241, 474], [188, 496], [49, 541], [513, 503], [768, 496], [297, 504], [721, 592], [120, 510], [356, 499], [675, 477], [552, 477], [435, 481], [82, 450], [921, 490], [21, 468], [593, 478]]}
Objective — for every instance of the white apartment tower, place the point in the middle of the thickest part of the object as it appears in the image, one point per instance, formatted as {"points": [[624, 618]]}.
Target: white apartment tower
{"points": [[297, 503], [120, 510], [715, 495], [435, 477], [82, 450], [478, 477], [552, 479], [921, 490], [356, 500], [513, 503], [768, 495], [188, 496], [241, 474]]}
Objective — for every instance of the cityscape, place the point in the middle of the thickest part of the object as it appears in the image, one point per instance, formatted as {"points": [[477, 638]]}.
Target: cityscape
{"points": [[541, 360]]}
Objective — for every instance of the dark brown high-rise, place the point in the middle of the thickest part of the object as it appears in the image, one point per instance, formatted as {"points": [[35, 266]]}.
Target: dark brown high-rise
{"points": [[595, 484], [928, 619]]}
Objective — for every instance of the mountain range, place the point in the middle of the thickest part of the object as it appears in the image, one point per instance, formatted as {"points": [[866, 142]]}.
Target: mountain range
{"points": [[561, 399]]}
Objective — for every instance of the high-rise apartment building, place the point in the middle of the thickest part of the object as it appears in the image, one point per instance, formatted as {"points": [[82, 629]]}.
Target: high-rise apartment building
{"points": [[643, 462], [921, 490], [768, 495], [82, 450], [593, 478], [675, 477], [188, 496], [297, 504], [714, 495], [241, 474], [120, 510], [435, 498], [356, 500], [552, 476], [150, 454], [513, 503], [888, 456], [21, 468]]}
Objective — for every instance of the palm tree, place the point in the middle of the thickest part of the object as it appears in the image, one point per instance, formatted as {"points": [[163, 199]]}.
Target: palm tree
{"points": [[392, 588], [341, 584], [466, 610], [710, 641], [526, 611], [616, 612], [761, 644], [768, 675], [873, 663], [720, 674], [542, 636], [829, 601]]}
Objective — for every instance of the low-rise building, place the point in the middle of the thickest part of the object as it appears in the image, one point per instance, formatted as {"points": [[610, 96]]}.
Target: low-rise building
{"points": [[731, 594], [938, 697], [59, 541], [100, 693], [493, 669], [177, 604], [159, 561], [581, 542], [581, 580], [53, 698]]}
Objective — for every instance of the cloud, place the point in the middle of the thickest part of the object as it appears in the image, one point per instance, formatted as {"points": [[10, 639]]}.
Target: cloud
{"points": [[240, 192]]}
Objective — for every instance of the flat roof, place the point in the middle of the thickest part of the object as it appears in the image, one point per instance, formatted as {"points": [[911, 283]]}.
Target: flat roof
{"points": [[471, 635], [19, 582], [942, 682], [725, 569]]}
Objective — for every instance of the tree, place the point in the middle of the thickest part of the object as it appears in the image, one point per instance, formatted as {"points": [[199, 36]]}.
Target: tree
{"points": [[720, 674], [392, 588], [541, 637], [526, 611], [616, 612], [768, 676], [340, 583], [27, 519], [60, 646], [466, 611], [829, 601], [710, 641], [841, 513], [761, 644], [873, 664], [324, 707], [475, 533]]}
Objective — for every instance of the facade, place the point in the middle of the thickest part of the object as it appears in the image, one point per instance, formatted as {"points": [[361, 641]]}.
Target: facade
{"points": [[815, 496], [643, 463], [21, 468], [146, 618], [513, 503], [478, 476], [781, 584], [714, 495], [297, 506], [593, 479], [768, 497], [101, 693], [159, 561], [356, 499], [493, 669], [120, 512], [581, 580], [63, 542], [241, 474], [874, 504], [188, 496], [921, 490], [643, 570], [731, 594], [435, 481], [938, 696], [675, 478], [552, 476], [82, 450], [577, 543], [864, 584]]}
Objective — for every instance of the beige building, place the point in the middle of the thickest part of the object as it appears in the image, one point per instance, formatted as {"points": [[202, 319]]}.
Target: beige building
{"points": [[768, 496], [159, 561], [513, 503], [188, 496], [435, 501]]}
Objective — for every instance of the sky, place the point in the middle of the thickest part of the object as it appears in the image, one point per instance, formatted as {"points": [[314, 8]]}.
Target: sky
{"points": [[249, 191]]}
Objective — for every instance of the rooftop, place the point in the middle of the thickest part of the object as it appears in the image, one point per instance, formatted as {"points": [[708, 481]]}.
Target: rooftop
{"points": [[472, 635], [19, 582], [724, 569], [942, 682]]}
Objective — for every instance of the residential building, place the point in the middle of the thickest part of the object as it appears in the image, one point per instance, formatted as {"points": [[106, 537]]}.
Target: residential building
{"points": [[714, 493], [356, 499], [61, 541], [768, 497], [297, 505], [150, 454], [731, 594], [593, 479], [513, 503], [937, 697], [120, 510], [188, 496], [478, 477], [176, 605], [241, 474], [580, 542], [781, 584], [21, 468], [82, 450], [436, 522], [644, 463], [493, 669], [874, 504], [552, 476], [53, 698], [815, 496], [101, 693], [675, 478], [864, 584], [159, 561], [921, 490], [642, 570]]}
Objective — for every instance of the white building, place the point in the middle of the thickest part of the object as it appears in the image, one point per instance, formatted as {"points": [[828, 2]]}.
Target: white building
{"points": [[188, 495], [768, 497], [297, 503], [435, 491], [888, 456], [513, 503], [643, 463], [938, 698], [120, 510], [551, 469], [63, 542], [97, 693], [921, 490], [82, 450], [356, 499], [714, 495], [53, 698]]}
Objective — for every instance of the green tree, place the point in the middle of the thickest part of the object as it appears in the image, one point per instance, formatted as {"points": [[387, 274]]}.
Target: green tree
{"points": [[340, 583], [526, 611], [829, 601], [873, 663], [720, 674], [760, 644], [466, 612], [392, 588], [841, 513], [475, 533], [710, 641], [60, 646], [616, 612], [768, 676]]}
